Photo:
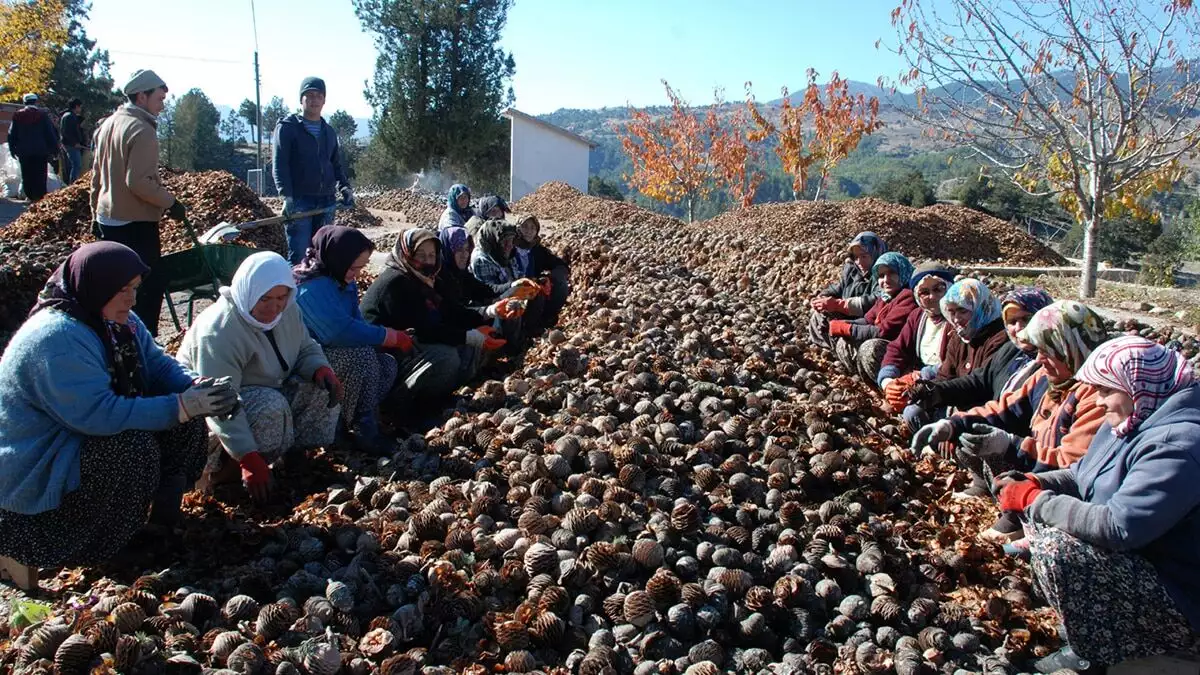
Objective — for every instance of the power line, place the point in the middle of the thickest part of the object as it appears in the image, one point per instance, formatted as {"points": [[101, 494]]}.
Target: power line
{"points": [[177, 57]]}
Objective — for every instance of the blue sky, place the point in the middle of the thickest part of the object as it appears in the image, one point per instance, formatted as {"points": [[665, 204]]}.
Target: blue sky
{"points": [[569, 53]]}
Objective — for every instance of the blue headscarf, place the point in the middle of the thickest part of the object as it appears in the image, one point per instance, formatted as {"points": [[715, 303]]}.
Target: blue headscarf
{"points": [[453, 239], [898, 264], [871, 243], [452, 197], [974, 296]]}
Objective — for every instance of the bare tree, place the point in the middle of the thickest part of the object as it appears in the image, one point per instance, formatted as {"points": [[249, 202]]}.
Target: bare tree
{"points": [[1094, 101]]}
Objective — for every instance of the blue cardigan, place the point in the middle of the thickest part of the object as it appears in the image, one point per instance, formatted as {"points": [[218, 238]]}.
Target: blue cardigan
{"points": [[55, 391], [333, 317], [1138, 494]]}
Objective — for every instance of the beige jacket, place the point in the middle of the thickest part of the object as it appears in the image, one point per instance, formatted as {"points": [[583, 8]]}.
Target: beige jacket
{"points": [[125, 183], [222, 344]]}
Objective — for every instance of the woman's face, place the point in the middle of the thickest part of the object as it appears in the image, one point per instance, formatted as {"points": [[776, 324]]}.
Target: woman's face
{"points": [[359, 263], [463, 256], [1057, 371], [960, 317], [1015, 320], [494, 213], [426, 255], [117, 309], [508, 243], [529, 233], [1117, 405], [889, 280], [862, 258], [463, 200], [930, 292], [270, 306]]}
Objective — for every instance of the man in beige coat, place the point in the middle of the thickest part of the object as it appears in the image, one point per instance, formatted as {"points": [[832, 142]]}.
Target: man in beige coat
{"points": [[128, 198]]}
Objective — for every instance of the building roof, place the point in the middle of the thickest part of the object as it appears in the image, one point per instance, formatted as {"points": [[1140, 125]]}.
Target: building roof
{"points": [[513, 113]]}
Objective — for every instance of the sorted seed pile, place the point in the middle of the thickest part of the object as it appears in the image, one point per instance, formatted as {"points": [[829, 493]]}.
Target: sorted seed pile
{"points": [[418, 206], [671, 482]]}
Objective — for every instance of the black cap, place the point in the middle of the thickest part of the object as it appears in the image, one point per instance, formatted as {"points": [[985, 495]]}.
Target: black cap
{"points": [[311, 83]]}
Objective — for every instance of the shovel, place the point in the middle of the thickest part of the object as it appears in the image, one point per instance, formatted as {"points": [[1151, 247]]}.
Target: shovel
{"points": [[223, 232]]}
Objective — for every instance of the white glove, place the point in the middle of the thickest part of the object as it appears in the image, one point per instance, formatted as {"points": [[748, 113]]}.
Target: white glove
{"points": [[206, 398], [987, 441], [476, 337], [932, 434]]}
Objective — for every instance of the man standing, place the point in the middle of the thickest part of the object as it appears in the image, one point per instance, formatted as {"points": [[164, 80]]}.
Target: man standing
{"points": [[307, 168], [71, 126], [32, 139], [128, 199]]}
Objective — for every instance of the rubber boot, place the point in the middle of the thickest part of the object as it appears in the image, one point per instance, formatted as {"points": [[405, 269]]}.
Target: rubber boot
{"points": [[165, 509]]}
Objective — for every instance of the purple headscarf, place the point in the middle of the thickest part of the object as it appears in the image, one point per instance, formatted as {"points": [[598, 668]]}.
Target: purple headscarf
{"points": [[333, 251], [454, 239], [1026, 298]]}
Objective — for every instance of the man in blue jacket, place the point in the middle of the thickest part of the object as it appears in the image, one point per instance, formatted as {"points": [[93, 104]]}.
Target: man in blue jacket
{"points": [[32, 139], [307, 168]]}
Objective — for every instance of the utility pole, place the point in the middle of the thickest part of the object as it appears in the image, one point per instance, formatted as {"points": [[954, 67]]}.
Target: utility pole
{"points": [[257, 100]]}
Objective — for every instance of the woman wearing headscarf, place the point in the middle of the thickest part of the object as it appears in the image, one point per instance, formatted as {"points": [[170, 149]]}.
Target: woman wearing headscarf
{"points": [[974, 313], [492, 207], [917, 352], [1006, 371], [535, 261], [493, 262], [860, 344], [451, 338], [1115, 537], [1045, 424], [327, 294], [854, 291], [96, 423], [458, 284], [254, 334], [458, 207]]}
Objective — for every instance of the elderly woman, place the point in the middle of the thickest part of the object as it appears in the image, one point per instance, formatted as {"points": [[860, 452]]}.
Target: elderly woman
{"points": [[254, 334], [533, 261], [1045, 424], [860, 344], [917, 352], [1006, 371], [451, 338], [327, 293], [854, 291], [97, 424], [1115, 538], [458, 207]]}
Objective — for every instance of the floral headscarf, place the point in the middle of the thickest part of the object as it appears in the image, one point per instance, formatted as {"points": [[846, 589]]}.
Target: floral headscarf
{"points": [[1026, 298], [452, 197], [871, 243], [898, 264], [1066, 330], [401, 257], [974, 296], [1145, 370]]}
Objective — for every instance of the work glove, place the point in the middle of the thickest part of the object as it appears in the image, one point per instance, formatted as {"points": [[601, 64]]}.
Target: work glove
{"points": [[894, 391], [987, 441], [325, 379], [1018, 496], [398, 339], [207, 398], [547, 287], [839, 329], [506, 309], [256, 476], [289, 207], [483, 338], [177, 210], [923, 393], [940, 431], [347, 197], [1009, 477]]}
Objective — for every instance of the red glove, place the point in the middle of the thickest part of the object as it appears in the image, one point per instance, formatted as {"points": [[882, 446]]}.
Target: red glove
{"points": [[547, 286], [837, 306], [1018, 496], [507, 309], [256, 476], [894, 391], [839, 328], [398, 339], [325, 379], [491, 343]]}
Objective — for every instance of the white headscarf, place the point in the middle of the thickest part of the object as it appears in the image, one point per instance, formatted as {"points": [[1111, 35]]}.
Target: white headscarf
{"points": [[255, 277]]}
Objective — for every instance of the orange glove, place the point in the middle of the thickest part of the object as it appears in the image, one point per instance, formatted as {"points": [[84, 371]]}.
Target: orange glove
{"points": [[839, 329], [398, 339], [491, 343], [1018, 496], [507, 309], [525, 292], [896, 389], [547, 287], [837, 306]]}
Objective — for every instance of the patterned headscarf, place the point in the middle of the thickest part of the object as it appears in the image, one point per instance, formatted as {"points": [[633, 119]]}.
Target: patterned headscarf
{"points": [[401, 257], [452, 198], [1066, 330], [1026, 298], [454, 239], [871, 243], [898, 264], [1145, 370], [974, 296]]}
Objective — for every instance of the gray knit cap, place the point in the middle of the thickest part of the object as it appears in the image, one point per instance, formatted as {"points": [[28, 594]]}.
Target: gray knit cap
{"points": [[142, 80]]}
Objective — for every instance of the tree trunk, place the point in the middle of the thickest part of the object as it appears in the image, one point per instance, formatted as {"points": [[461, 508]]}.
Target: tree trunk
{"points": [[1087, 278], [817, 194], [691, 208]]}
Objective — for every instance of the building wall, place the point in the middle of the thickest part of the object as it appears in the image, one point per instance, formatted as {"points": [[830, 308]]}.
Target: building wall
{"points": [[540, 155]]}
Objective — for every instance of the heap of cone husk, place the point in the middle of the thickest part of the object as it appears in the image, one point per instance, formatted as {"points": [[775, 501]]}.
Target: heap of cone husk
{"points": [[670, 482], [418, 206]]}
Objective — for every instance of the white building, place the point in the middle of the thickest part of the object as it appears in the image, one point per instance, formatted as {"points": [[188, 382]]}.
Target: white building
{"points": [[542, 152]]}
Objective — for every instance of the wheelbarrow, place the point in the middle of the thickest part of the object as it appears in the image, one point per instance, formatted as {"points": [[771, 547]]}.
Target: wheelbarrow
{"points": [[200, 271]]}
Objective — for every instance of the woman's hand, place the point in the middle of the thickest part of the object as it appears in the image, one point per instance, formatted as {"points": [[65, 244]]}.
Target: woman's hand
{"points": [[506, 309], [327, 380], [398, 339], [1019, 495], [940, 431], [207, 398], [256, 476]]}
